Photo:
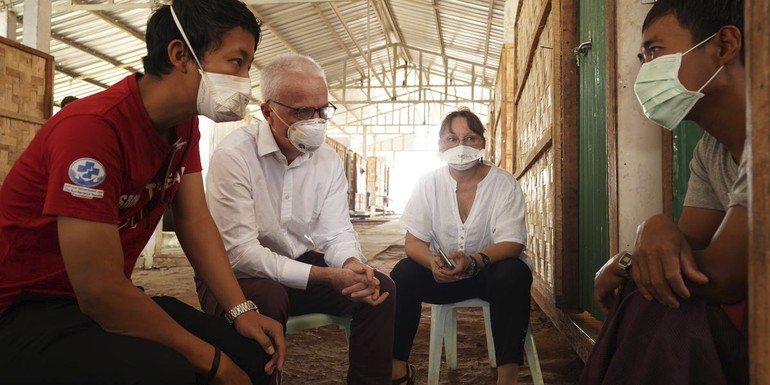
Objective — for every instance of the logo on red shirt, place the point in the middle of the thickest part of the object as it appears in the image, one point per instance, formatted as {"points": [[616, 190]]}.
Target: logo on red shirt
{"points": [[87, 172]]}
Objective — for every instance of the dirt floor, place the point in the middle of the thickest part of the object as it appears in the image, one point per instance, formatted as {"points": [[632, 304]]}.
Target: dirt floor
{"points": [[319, 356]]}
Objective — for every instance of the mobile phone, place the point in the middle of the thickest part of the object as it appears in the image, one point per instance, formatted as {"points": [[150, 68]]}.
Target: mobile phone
{"points": [[441, 253], [445, 259]]}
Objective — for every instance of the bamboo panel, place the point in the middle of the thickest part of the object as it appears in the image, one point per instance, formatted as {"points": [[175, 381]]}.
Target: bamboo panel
{"points": [[534, 112], [25, 98], [537, 184], [15, 135]]}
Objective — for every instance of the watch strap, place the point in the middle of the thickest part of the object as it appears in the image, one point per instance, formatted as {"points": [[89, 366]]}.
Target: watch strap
{"points": [[624, 262], [238, 310]]}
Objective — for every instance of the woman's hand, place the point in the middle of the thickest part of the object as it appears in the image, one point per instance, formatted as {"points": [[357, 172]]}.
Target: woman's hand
{"points": [[447, 274]]}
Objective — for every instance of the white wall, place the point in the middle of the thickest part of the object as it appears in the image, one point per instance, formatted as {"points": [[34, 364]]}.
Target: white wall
{"points": [[640, 192]]}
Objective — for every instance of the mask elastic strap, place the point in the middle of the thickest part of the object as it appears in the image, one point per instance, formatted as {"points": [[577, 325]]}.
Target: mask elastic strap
{"points": [[710, 79], [270, 106], [700, 44], [184, 36]]}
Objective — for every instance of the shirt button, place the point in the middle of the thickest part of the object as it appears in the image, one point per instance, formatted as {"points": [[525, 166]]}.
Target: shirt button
{"points": [[461, 238], [287, 197]]}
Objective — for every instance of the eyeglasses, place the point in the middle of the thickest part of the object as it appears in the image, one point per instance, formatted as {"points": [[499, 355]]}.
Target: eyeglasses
{"points": [[469, 140], [305, 113]]}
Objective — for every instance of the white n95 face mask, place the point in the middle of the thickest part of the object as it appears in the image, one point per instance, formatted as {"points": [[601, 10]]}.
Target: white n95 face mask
{"points": [[307, 135], [461, 157], [221, 98], [664, 99]]}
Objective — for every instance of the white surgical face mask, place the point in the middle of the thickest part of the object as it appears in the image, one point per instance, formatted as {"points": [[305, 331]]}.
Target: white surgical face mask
{"points": [[664, 99], [221, 98], [307, 135], [461, 157]]}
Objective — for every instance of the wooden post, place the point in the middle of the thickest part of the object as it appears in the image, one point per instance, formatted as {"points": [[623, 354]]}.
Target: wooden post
{"points": [[757, 58]]}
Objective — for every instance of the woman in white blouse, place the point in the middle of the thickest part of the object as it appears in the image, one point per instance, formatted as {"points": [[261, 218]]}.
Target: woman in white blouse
{"points": [[474, 212]]}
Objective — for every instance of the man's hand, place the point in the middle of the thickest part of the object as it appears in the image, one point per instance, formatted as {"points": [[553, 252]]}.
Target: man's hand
{"points": [[268, 333], [356, 281], [662, 259], [607, 279]]}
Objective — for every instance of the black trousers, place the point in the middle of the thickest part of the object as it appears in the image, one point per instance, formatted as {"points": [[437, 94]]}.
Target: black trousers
{"points": [[371, 330], [505, 285], [46, 339]]}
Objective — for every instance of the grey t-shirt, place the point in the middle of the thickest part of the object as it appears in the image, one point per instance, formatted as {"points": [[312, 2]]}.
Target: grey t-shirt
{"points": [[716, 181]]}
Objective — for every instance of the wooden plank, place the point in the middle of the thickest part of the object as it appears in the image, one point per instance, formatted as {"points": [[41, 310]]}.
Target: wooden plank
{"points": [[565, 143], [757, 57], [535, 154], [580, 329], [667, 172], [612, 125]]}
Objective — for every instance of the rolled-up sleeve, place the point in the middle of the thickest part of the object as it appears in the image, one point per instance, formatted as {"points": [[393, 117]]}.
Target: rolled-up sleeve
{"points": [[230, 195]]}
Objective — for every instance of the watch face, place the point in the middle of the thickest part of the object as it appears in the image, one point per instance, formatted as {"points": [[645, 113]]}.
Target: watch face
{"points": [[625, 260]]}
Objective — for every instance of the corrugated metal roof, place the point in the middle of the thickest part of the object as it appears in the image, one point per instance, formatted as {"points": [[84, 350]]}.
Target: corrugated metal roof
{"points": [[394, 66]]}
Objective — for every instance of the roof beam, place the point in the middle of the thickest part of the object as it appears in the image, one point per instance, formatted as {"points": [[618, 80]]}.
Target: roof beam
{"points": [[385, 13], [92, 52], [75, 75], [360, 50], [440, 33], [115, 23], [345, 48], [272, 30], [74, 5], [486, 41]]}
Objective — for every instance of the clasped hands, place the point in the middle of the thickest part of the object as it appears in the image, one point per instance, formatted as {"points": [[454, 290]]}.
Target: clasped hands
{"points": [[662, 261], [356, 281]]}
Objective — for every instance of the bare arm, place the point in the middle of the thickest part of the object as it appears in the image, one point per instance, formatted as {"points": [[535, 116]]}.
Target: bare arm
{"points": [[664, 259], [203, 247], [418, 250], [105, 294], [724, 261]]}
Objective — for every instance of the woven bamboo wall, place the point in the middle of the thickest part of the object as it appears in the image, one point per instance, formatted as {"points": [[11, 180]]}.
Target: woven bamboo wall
{"points": [[26, 98], [533, 131]]}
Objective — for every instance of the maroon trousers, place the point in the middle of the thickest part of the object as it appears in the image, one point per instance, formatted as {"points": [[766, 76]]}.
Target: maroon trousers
{"points": [[644, 342], [371, 330]]}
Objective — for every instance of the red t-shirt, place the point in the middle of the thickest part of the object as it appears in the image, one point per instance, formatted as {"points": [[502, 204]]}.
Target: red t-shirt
{"points": [[99, 159]]}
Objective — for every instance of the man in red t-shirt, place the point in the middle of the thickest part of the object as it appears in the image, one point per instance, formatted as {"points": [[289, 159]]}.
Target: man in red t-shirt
{"points": [[81, 202]]}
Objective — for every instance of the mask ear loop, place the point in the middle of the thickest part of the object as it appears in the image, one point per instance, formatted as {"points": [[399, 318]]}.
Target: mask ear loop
{"points": [[710, 79], [715, 73], [184, 36], [700, 44]]}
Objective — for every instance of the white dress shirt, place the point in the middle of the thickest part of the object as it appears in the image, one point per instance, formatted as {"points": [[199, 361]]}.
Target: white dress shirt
{"points": [[270, 212], [497, 214]]}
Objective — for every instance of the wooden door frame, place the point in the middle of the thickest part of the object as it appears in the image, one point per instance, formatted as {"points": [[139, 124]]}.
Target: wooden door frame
{"points": [[758, 81]]}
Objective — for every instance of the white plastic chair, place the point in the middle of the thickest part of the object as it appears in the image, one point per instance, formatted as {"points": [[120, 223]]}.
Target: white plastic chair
{"points": [[443, 328], [313, 320]]}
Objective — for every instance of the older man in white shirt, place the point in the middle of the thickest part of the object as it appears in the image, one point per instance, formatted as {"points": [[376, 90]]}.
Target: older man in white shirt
{"points": [[279, 197]]}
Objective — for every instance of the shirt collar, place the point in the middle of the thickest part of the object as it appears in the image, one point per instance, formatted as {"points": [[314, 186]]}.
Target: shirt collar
{"points": [[266, 143]]}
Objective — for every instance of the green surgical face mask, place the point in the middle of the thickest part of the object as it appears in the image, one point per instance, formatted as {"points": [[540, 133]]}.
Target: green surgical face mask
{"points": [[664, 99]]}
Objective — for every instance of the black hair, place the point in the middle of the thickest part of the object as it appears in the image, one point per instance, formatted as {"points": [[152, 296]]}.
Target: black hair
{"points": [[474, 123], [702, 18], [67, 100], [204, 22]]}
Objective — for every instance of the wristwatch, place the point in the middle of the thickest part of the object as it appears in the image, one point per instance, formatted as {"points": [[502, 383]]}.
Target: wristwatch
{"points": [[625, 262], [231, 315]]}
